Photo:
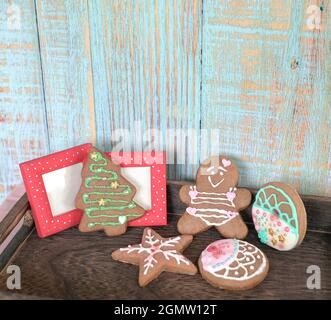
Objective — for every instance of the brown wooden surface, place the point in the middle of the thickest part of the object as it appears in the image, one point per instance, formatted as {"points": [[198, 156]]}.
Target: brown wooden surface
{"points": [[73, 265], [13, 217], [18, 296]]}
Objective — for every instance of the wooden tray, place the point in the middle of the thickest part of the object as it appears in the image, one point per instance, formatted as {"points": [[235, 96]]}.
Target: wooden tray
{"points": [[73, 265]]}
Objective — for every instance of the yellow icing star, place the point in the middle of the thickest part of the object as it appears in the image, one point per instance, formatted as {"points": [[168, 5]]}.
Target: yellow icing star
{"points": [[271, 232], [101, 202], [274, 242], [94, 156], [114, 185], [281, 238]]}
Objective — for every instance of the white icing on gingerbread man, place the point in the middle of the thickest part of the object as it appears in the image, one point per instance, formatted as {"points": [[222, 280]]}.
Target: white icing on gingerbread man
{"points": [[215, 200]]}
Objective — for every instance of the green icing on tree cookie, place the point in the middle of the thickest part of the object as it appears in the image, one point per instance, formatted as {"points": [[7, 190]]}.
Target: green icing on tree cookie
{"points": [[104, 202]]}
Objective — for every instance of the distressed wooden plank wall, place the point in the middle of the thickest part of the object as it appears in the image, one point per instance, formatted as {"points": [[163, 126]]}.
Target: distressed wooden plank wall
{"points": [[23, 130], [146, 64], [250, 79], [266, 85], [64, 37]]}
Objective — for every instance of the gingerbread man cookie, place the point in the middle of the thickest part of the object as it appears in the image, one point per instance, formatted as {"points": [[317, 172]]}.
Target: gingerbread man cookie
{"points": [[215, 201], [156, 254], [233, 264], [279, 216], [105, 196]]}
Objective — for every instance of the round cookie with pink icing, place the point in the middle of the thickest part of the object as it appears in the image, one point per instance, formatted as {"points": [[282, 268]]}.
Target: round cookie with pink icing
{"points": [[279, 216], [233, 264], [215, 200]]}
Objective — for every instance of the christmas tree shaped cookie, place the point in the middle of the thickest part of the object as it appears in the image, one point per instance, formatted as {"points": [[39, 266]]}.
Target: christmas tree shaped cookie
{"points": [[105, 196]]}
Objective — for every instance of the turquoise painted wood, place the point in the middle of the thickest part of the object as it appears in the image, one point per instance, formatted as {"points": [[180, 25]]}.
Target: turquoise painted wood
{"points": [[67, 75], [249, 79], [266, 85], [23, 129], [146, 69]]}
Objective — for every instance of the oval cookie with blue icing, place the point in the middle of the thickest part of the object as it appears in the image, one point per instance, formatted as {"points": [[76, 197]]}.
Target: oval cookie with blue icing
{"points": [[233, 264], [279, 216]]}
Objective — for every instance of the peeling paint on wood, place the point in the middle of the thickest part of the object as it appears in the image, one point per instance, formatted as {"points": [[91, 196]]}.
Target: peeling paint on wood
{"points": [[23, 130], [275, 119], [67, 75], [258, 71], [146, 64]]}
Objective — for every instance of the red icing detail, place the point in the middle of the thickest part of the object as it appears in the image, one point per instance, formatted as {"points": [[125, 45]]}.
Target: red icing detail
{"points": [[211, 248], [276, 212], [218, 251], [215, 251]]}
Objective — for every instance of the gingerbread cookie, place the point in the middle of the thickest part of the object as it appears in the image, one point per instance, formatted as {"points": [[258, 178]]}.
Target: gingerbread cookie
{"points": [[105, 196], [156, 254], [215, 201], [279, 216], [233, 264]]}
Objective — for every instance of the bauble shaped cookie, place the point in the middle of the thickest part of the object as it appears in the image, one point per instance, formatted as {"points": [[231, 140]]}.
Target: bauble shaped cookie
{"points": [[279, 216], [233, 264]]}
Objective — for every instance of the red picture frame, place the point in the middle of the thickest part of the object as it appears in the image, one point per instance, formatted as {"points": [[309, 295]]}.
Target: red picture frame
{"points": [[47, 223], [156, 161]]}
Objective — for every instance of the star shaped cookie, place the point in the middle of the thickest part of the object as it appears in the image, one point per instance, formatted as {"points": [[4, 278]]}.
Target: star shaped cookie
{"points": [[156, 254]]}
